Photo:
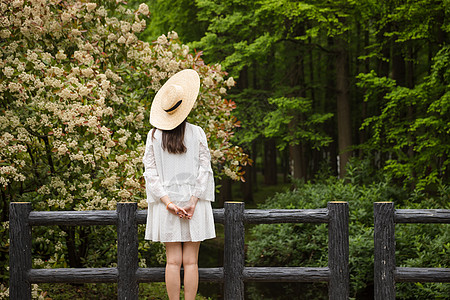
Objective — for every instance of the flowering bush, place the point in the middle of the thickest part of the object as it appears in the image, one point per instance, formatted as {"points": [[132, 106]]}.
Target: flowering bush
{"points": [[76, 86]]}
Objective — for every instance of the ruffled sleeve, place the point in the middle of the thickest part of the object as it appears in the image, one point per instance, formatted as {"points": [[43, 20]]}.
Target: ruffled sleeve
{"points": [[204, 184], [154, 188]]}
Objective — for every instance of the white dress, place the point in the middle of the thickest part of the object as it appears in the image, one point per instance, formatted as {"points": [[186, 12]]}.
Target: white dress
{"points": [[179, 176]]}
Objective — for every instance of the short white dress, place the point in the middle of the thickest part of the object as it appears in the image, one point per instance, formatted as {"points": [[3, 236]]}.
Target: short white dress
{"points": [[179, 176]]}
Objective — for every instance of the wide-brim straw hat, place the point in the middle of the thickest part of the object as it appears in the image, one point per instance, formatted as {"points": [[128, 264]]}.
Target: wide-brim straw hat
{"points": [[174, 101]]}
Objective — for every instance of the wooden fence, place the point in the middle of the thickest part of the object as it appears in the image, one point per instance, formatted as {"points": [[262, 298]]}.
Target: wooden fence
{"points": [[128, 275], [386, 273]]}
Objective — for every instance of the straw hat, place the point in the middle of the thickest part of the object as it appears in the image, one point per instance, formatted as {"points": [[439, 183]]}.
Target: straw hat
{"points": [[174, 100]]}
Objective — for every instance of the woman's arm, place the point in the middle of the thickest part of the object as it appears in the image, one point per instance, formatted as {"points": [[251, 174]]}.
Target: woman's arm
{"points": [[154, 188], [204, 176]]}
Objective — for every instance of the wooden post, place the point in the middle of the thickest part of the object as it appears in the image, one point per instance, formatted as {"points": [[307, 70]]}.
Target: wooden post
{"points": [[127, 251], [384, 251], [234, 259], [338, 250], [19, 250]]}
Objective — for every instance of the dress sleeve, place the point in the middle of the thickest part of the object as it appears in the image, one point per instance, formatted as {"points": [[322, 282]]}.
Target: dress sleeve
{"points": [[153, 186], [204, 185]]}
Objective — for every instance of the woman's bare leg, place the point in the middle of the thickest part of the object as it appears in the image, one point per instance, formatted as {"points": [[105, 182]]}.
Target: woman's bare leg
{"points": [[174, 256], [190, 265]]}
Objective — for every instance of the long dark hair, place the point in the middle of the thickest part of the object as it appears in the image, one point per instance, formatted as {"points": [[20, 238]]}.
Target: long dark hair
{"points": [[173, 140]]}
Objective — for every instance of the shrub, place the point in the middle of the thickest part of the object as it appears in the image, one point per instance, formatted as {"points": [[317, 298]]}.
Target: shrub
{"points": [[307, 244]]}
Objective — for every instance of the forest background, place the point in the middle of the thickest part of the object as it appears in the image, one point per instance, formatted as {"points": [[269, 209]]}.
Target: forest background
{"points": [[342, 100]]}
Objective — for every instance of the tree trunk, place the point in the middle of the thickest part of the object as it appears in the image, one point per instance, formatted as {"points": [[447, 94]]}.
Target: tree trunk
{"points": [[296, 152], [270, 162], [73, 254], [343, 105], [247, 186], [364, 114], [383, 63], [295, 161], [398, 62], [330, 93]]}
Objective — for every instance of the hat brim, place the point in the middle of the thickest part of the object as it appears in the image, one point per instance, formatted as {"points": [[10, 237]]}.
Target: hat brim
{"points": [[190, 82]]}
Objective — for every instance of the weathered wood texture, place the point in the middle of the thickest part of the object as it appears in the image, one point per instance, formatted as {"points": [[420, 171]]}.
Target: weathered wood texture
{"points": [[157, 274], [269, 216], [286, 274], [73, 218], [19, 250], [384, 251], [234, 260], [386, 273], [127, 251], [338, 250], [74, 275], [422, 216], [403, 274]]}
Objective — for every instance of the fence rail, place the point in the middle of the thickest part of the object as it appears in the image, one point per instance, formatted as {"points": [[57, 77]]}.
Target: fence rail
{"points": [[386, 273], [127, 274]]}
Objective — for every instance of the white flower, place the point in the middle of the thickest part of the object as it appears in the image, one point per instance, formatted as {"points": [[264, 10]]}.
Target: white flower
{"points": [[121, 40], [60, 55], [162, 39], [110, 181], [65, 17], [5, 33], [91, 6], [143, 9], [101, 12], [111, 37], [172, 35], [222, 90], [88, 72], [184, 50], [8, 71], [125, 26], [136, 27], [217, 153], [121, 158], [230, 82], [14, 87], [124, 194], [17, 3], [208, 81], [75, 32], [84, 91]]}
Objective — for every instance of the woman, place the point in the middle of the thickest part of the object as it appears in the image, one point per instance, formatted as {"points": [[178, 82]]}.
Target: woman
{"points": [[179, 182]]}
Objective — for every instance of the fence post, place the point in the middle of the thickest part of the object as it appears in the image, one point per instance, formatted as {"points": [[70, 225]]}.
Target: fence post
{"points": [[234, 259], [19, 250], [384, 251], [127, 251], [338, 250]]}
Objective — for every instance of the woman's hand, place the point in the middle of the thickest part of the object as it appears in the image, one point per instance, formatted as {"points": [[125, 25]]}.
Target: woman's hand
{"points": [[190, 208], [178, 211], [173, 208]]}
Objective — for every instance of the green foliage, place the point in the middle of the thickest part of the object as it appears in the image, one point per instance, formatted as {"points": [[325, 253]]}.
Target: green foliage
{"points": [[413, 127], [306, 245], [294, 122]]}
